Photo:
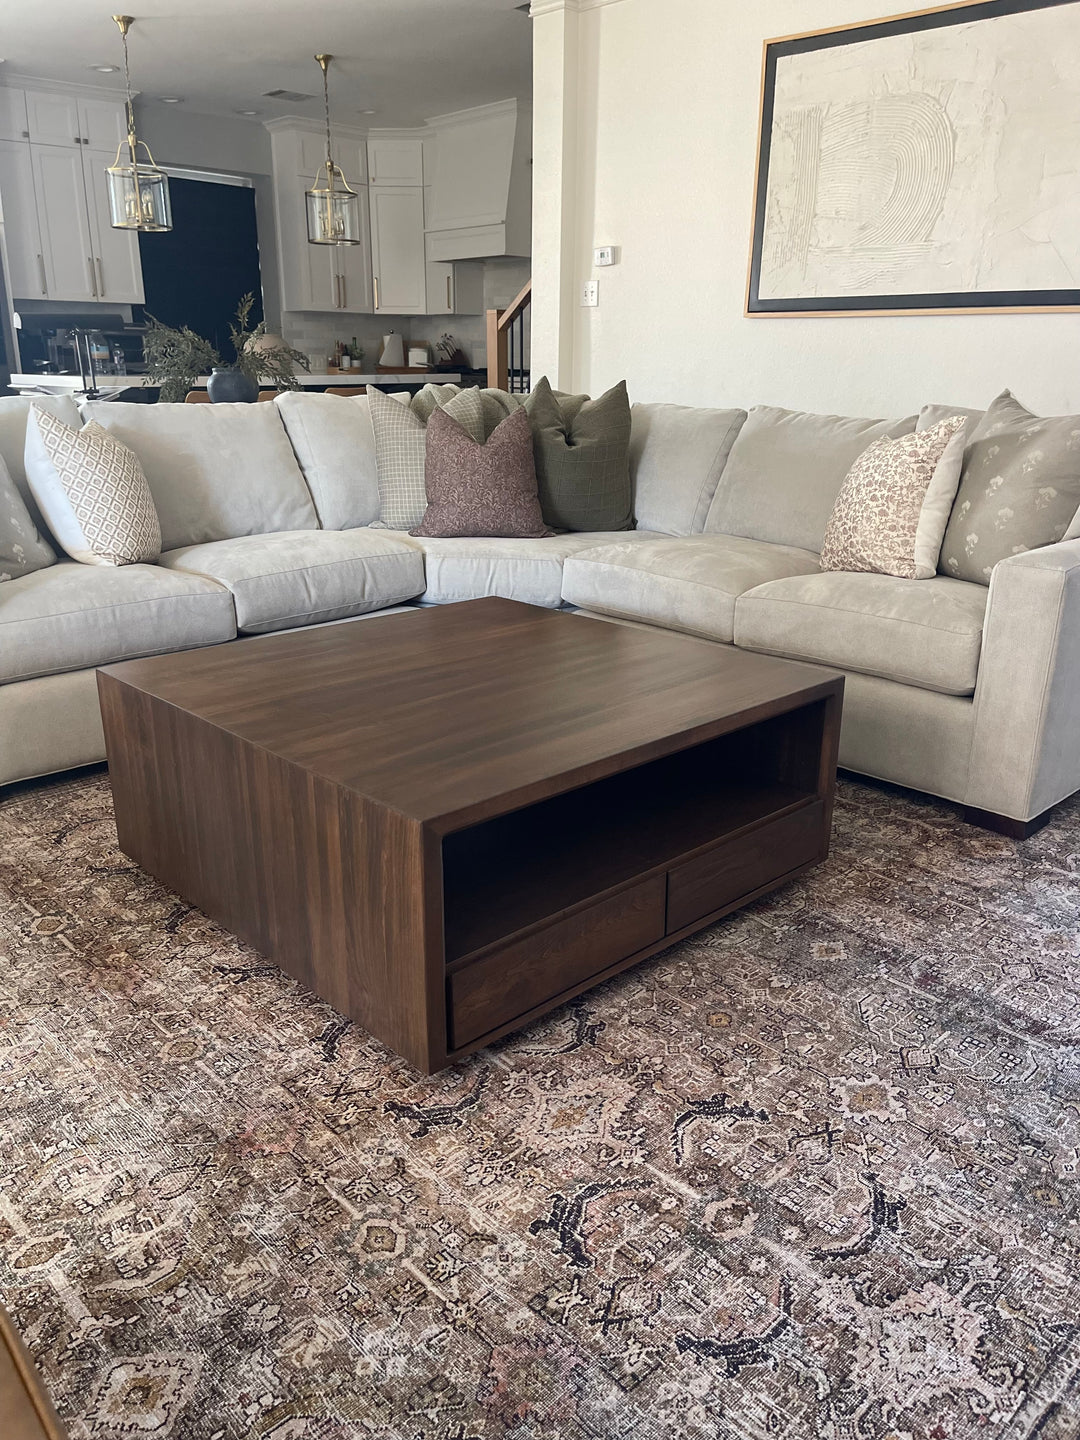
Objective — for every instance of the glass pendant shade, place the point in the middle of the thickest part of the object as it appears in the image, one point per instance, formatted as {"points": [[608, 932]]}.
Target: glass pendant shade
{"points": [[333, 209], [332, 205], [138, 196]]}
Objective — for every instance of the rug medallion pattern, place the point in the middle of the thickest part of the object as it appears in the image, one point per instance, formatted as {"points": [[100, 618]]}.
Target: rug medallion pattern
{"points": [[810, 1174]]}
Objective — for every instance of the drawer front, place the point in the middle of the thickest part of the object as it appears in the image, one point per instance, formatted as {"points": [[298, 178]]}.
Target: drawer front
{"points": [[527, 972], [739, 866]]}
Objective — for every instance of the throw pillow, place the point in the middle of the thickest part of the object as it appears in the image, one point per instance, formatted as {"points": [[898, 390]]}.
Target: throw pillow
{"points": [[582, 453], [22, 549], [92, 491], [893, 507], [481, 489], [1020, 489], [400, 442]]}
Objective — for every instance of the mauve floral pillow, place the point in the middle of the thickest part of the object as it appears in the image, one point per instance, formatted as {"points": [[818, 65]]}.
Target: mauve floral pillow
{"points": [[476, 489]]}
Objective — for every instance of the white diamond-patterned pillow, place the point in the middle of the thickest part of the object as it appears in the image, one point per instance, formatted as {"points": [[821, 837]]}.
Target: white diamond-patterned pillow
{"points": [[92, 492]]}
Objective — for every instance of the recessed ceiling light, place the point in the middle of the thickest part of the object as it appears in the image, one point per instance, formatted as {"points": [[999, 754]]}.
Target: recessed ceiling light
{"points": [[105, 69], [369, 112], [171, 99], [247, 112]]}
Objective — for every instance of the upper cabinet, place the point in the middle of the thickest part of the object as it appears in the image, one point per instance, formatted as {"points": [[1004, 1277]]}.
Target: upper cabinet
{"points": [[394, 161], [480, 193], [397, 249], [60, 241]]}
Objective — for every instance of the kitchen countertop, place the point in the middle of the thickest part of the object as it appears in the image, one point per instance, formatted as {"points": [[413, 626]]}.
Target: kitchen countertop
{"points": [[112, 384]]}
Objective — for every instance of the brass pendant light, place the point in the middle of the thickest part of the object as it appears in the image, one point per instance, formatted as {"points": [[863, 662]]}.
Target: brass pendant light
{"points": [[138, 190], [333, 207]]}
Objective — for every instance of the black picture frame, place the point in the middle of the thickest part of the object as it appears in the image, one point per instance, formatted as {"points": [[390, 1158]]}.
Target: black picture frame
{"points": [[964, 302]]}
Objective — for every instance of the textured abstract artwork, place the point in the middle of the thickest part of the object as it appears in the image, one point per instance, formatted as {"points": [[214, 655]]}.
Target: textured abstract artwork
{"points": [[928, 162], [813, 1175]]}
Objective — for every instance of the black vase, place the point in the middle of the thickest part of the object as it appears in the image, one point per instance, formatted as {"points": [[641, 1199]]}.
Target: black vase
{"points": [[229, 386]]}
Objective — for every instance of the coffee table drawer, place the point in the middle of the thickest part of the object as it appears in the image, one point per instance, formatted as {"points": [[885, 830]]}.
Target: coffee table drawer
{"points": [[739, 866], [524, 973]]}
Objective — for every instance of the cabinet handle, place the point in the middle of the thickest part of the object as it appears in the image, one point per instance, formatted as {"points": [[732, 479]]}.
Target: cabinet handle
{"points": [[449, 301], [376, 280], [344, 293], [93, 277], [101, 277], [338, 301], [41, 267], [77, 139]]}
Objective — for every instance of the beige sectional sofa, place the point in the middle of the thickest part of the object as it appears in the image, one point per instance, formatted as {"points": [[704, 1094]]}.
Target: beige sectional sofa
{"points": [[269, 521]]}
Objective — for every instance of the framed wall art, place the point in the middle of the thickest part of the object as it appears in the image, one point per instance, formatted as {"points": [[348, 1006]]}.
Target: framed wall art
{"points": [[928, 162]]}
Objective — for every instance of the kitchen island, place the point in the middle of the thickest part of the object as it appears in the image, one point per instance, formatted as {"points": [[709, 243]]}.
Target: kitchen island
{"points": [[113, 386]]}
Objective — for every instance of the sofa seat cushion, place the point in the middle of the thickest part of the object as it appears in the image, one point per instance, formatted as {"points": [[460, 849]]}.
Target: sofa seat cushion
{"points": [[527, 570], [920, 632], [689, 584], [215, 471], [302, 577], [72, 617]]}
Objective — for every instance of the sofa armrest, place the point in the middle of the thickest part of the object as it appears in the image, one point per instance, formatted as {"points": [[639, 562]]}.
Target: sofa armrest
{"points": [[1026, 740]]}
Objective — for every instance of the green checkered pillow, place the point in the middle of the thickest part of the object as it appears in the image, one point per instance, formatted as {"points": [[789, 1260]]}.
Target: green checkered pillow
{"points": [[400, 444]]}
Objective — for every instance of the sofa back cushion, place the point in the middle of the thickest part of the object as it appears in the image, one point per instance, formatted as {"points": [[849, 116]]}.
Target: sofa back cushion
{"points": [[335, 445], [785, 471], [215, 471], [677, 455], [14, 411]]}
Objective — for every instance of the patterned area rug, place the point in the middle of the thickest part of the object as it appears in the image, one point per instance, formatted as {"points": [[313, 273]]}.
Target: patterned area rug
{"points": [[811, 1175]]}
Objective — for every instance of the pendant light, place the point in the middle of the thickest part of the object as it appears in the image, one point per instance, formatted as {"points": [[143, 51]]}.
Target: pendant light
{"points": [[333, 207], [138, 190]]}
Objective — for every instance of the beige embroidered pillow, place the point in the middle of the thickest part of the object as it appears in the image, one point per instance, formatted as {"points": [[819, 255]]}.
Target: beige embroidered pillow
{"points": [[894, 505], [92, 492]]}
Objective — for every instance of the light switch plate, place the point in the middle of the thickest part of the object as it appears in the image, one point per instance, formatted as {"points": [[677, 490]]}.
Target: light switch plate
{"points": [[604, 255], [590, 292]]}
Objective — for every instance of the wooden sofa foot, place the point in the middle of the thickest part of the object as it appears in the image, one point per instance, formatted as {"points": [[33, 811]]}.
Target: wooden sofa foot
{"points": [[1005, 824]]}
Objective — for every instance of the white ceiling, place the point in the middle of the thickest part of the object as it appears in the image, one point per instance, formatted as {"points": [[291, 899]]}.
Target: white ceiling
{"points": [[404, 59]]}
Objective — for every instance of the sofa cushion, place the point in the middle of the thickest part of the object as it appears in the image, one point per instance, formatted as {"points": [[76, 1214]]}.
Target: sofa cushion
{"points": [[22, 547], [527, 570], [92, 491], [1019, 490], [14, 412], [215, 471], [785, 471], [688, 584], [677, 455], [335, 445], [920, 632], [302, 577], [71, 617], [400, 447]]}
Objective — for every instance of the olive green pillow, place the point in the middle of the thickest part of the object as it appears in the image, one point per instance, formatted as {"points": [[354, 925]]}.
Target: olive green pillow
{"points": [[1020, 489], [582, 453]]}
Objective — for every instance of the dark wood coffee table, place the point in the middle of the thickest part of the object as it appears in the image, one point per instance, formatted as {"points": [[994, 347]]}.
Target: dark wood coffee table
{"points": [[446, 823]]}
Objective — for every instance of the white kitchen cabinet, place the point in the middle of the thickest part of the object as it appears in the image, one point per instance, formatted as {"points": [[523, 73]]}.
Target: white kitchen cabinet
{"points": [[395, 161], [349, 154], [13, 125], [397, 249], [117, 264], [455, 289], [480, 196], [26, 259], [53, 118], [64, 221]]}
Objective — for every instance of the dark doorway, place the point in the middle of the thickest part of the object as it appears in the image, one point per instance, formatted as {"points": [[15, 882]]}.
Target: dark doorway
{"points": [[196, 273]]}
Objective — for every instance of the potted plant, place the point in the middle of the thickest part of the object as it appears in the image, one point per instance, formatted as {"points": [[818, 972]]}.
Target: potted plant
{"points": [[176, 358]]}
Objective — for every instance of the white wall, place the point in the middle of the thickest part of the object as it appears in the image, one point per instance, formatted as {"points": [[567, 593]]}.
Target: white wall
{"points": [[654, 151]]}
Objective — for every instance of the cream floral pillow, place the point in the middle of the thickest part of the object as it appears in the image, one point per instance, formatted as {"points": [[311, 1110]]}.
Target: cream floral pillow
{"points": [[893, 507]]}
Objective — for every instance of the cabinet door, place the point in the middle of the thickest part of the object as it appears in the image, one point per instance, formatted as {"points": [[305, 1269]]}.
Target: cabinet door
{"points": [[13, 115], [397, 250], [117, 264], [396, 162], [351, 155], [354, 265], [440, 289], [52, 119], [102, 125], [64, 222], [26, 258]]}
